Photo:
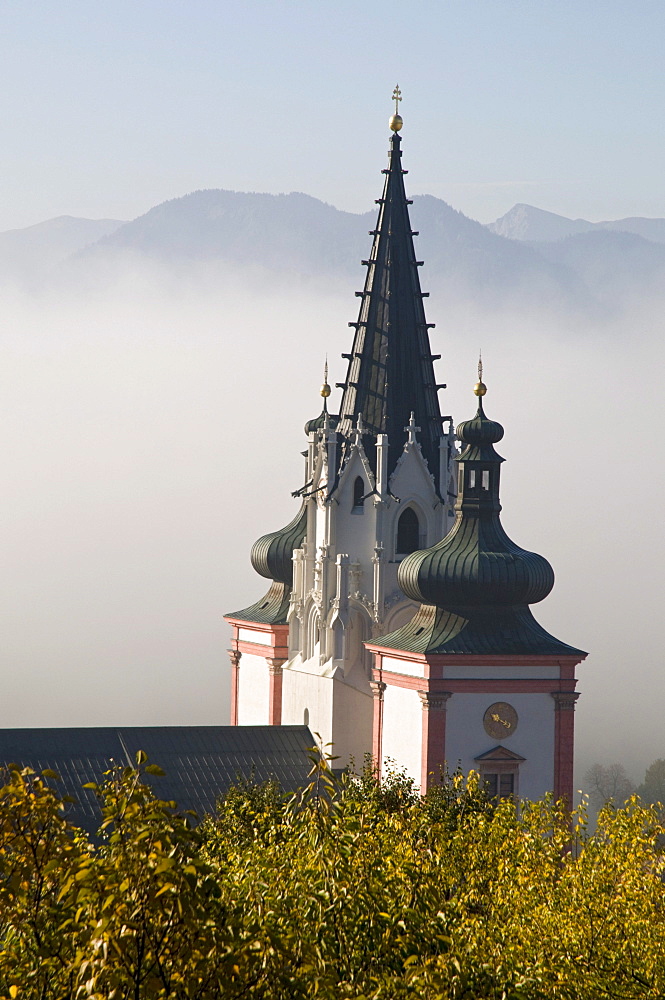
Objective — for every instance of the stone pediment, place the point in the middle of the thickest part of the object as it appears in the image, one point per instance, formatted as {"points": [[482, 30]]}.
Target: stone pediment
{"points": [[500, 754]]}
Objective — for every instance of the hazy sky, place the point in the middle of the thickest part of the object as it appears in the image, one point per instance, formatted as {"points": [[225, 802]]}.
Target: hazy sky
{"points": [[111, 107]]}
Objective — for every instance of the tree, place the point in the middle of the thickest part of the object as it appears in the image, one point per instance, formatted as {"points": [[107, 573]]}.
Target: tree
{"points": [[350, 890], [608, 784], [652, 789]]}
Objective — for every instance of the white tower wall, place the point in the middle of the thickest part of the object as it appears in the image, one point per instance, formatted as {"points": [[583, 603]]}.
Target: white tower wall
{"points": [[346, 592]]}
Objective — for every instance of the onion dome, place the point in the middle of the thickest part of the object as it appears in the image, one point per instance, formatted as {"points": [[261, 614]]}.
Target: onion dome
{"points": [[480, 433], [316, 423], [476, 564], [272, 554], [475, 585], [272, 557]]}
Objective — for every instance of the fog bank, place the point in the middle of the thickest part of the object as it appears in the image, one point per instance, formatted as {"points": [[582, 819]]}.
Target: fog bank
{"points": [[152, 429]]}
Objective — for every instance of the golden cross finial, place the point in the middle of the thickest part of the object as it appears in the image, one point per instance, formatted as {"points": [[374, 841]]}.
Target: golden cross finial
{"points": [[325, 388], [396, 120], [480, 388]]}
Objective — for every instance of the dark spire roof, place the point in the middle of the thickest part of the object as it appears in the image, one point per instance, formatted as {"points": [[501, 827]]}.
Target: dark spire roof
{"points": [[475, 585], [391, 369]]}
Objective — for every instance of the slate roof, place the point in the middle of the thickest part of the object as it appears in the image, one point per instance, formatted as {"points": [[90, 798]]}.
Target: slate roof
{"points": [[390, 372], [201, 762]]}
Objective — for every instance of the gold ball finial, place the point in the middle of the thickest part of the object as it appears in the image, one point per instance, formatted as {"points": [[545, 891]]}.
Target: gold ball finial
{"points": [[396, 121], [480, 388], [325, 388]]}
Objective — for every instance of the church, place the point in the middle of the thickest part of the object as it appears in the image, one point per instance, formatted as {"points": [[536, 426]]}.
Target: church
{"points": [[397, 622]]}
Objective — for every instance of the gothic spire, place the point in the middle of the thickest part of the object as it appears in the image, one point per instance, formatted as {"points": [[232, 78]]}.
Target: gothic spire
{"points": [[390, 371]]}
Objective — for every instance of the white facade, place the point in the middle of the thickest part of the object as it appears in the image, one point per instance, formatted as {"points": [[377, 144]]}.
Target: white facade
{"points": [[254, 691], [402, 732], [345, 588], [533, 738]]}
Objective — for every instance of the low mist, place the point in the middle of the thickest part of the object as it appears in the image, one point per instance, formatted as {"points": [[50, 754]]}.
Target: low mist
{"points": [[152, 430]]}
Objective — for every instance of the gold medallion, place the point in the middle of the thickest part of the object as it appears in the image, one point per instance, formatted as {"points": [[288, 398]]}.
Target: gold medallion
{"points": [[500, 720]]}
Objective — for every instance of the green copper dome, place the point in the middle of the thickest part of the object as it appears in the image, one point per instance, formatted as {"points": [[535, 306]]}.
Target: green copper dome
{"points": [[480, 432], [316, 423], [272, 554], [476, 565]]}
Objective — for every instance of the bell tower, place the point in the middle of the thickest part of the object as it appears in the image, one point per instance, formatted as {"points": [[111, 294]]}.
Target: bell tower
{"points": [[397, 620], [473, 673], [378, 486]]}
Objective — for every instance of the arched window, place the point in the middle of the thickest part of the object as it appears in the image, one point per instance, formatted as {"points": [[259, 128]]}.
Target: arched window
{"points": [[408, 532], [358, 494], [313, 634]]}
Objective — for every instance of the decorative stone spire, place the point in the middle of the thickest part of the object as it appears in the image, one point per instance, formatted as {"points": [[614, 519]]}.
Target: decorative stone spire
{"points": [[390, 371]]}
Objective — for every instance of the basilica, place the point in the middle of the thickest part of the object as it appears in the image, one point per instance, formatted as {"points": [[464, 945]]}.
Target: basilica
{"points": [[397, 620]]}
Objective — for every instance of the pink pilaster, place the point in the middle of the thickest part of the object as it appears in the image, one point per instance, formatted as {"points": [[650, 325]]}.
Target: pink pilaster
{"points": [[433, 737], [378, 687], [564, 744], [234, 656], [275, 691]]}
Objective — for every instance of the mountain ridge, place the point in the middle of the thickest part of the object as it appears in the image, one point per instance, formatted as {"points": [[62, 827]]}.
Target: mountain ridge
{"points": [[46, 244], [526, 223], [287, 237]]}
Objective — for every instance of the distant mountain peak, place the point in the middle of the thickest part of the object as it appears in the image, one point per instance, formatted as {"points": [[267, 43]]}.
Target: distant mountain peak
{"points": [[529, 224], [525, 222]]}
